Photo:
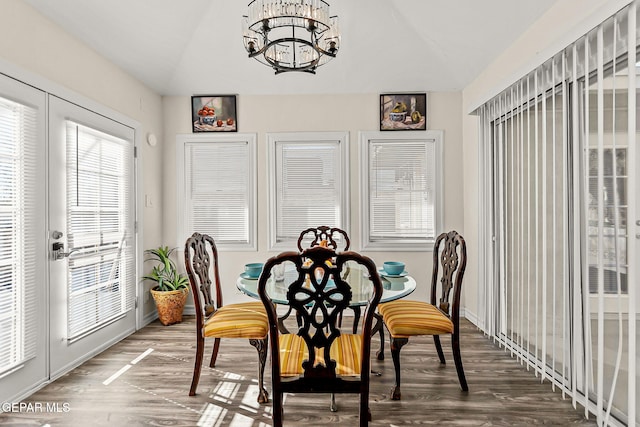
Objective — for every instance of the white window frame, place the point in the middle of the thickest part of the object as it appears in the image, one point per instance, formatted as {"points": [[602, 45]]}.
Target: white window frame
{"points": [[273, 139], [401, 243], [183, 207]]}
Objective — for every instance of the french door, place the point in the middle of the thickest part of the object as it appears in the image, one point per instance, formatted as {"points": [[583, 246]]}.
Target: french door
{"points": [[91, 233]]}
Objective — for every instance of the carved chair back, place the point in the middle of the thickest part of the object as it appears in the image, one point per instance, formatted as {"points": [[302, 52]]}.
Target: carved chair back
{"points": [[201, 258], [318, 295], [331, 236], [449, 263]]}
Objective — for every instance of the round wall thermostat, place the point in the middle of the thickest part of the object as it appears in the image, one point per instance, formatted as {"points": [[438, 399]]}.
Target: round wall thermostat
{"points": [[152, 140]]}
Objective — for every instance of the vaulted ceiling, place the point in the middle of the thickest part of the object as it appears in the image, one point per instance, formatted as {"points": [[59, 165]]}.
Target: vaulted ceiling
{"points": [[185, 47]]}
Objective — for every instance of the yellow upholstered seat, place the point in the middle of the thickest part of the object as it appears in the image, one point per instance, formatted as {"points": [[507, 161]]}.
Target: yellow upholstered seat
{"points": [[242, 320], [346, 351], [405, 318]]}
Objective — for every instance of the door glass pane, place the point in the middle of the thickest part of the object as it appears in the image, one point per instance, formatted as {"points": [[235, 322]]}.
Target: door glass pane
{"points": [[18, 202], [607, 164], [101, 270], [534, 231]]}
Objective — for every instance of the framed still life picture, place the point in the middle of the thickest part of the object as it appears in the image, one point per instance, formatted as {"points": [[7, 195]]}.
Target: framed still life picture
{"points": [[214, 113], [403, 111]]}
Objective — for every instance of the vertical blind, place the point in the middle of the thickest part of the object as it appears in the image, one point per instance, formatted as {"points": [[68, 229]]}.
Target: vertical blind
{"points": [[559, 187], [18, 145], [309, 186], [218, 179], [101, 273]]}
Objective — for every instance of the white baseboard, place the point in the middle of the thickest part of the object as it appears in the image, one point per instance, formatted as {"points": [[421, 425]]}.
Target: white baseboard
{"points": [[470, 316], [148, 318]]}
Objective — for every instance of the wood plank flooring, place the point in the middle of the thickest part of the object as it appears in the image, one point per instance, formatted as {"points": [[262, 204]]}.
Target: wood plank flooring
{"points": [[153, 390]]}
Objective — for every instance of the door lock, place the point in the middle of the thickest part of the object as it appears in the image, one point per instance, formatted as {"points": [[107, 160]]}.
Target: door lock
{"points": [[57, 251]]}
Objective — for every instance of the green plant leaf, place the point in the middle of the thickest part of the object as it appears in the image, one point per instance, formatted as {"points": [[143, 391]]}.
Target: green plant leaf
{"points": [[164, 273]]}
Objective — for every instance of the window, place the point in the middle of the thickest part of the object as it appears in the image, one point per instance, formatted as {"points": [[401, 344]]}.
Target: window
{"points": [[401, 190], [613, 189], [217, 189], [18, 233], [308, 184]]}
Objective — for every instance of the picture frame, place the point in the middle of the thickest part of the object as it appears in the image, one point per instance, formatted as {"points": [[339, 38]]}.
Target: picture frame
{"points": [[403, 111], [214, 113]]}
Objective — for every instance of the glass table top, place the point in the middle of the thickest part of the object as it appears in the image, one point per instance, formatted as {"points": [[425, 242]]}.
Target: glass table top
{"points": [[393, 287]]}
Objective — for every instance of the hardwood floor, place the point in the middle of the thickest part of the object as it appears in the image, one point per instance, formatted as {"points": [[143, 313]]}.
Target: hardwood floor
{"points": [[153, 390]]}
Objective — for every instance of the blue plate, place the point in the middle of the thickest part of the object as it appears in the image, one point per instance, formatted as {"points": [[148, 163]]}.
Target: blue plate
{"points": [[385, 274], [246, 276]]}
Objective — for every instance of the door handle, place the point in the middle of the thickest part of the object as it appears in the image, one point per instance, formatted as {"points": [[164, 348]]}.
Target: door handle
{"points": [[57, 251]]}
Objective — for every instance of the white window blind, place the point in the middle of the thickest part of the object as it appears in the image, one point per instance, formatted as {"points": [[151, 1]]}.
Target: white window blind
{"points": [[18, 145], [400, 191], [216, 185], [309, 184], [101, 273]]}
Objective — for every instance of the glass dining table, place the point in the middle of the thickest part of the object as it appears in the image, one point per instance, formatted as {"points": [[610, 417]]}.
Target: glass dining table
{"points": [[394, 287]]}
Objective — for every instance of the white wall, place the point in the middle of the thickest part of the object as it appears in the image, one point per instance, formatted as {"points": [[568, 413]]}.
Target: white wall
{"points": [[563, 24], [353, 113], [36, 51]]}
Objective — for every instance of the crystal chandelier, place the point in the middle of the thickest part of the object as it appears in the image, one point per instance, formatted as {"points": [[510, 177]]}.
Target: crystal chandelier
{"points": [[291, 35]]}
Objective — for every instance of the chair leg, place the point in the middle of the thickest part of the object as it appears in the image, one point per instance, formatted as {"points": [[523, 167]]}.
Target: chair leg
{"points": [[356, 318], [214, 353], [277, 410], [379, 327], [198, 365], [436, 340], [455, 343], [396, 345], [365, 411], [333, 407], [261, 345]]}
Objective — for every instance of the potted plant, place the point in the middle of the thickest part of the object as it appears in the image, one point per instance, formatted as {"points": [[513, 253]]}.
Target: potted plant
{"points": [[170, 292]]}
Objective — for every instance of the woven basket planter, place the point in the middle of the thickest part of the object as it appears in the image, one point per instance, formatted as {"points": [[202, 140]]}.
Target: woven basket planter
{"points": [[170, 305]]}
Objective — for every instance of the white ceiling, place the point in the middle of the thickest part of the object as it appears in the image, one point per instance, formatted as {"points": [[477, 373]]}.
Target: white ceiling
{"points": [[185, 47]]}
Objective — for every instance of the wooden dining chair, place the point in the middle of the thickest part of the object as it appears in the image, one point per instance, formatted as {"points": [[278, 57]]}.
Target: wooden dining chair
{"points": [[215, 320], [405, 318], [319, 357]]}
